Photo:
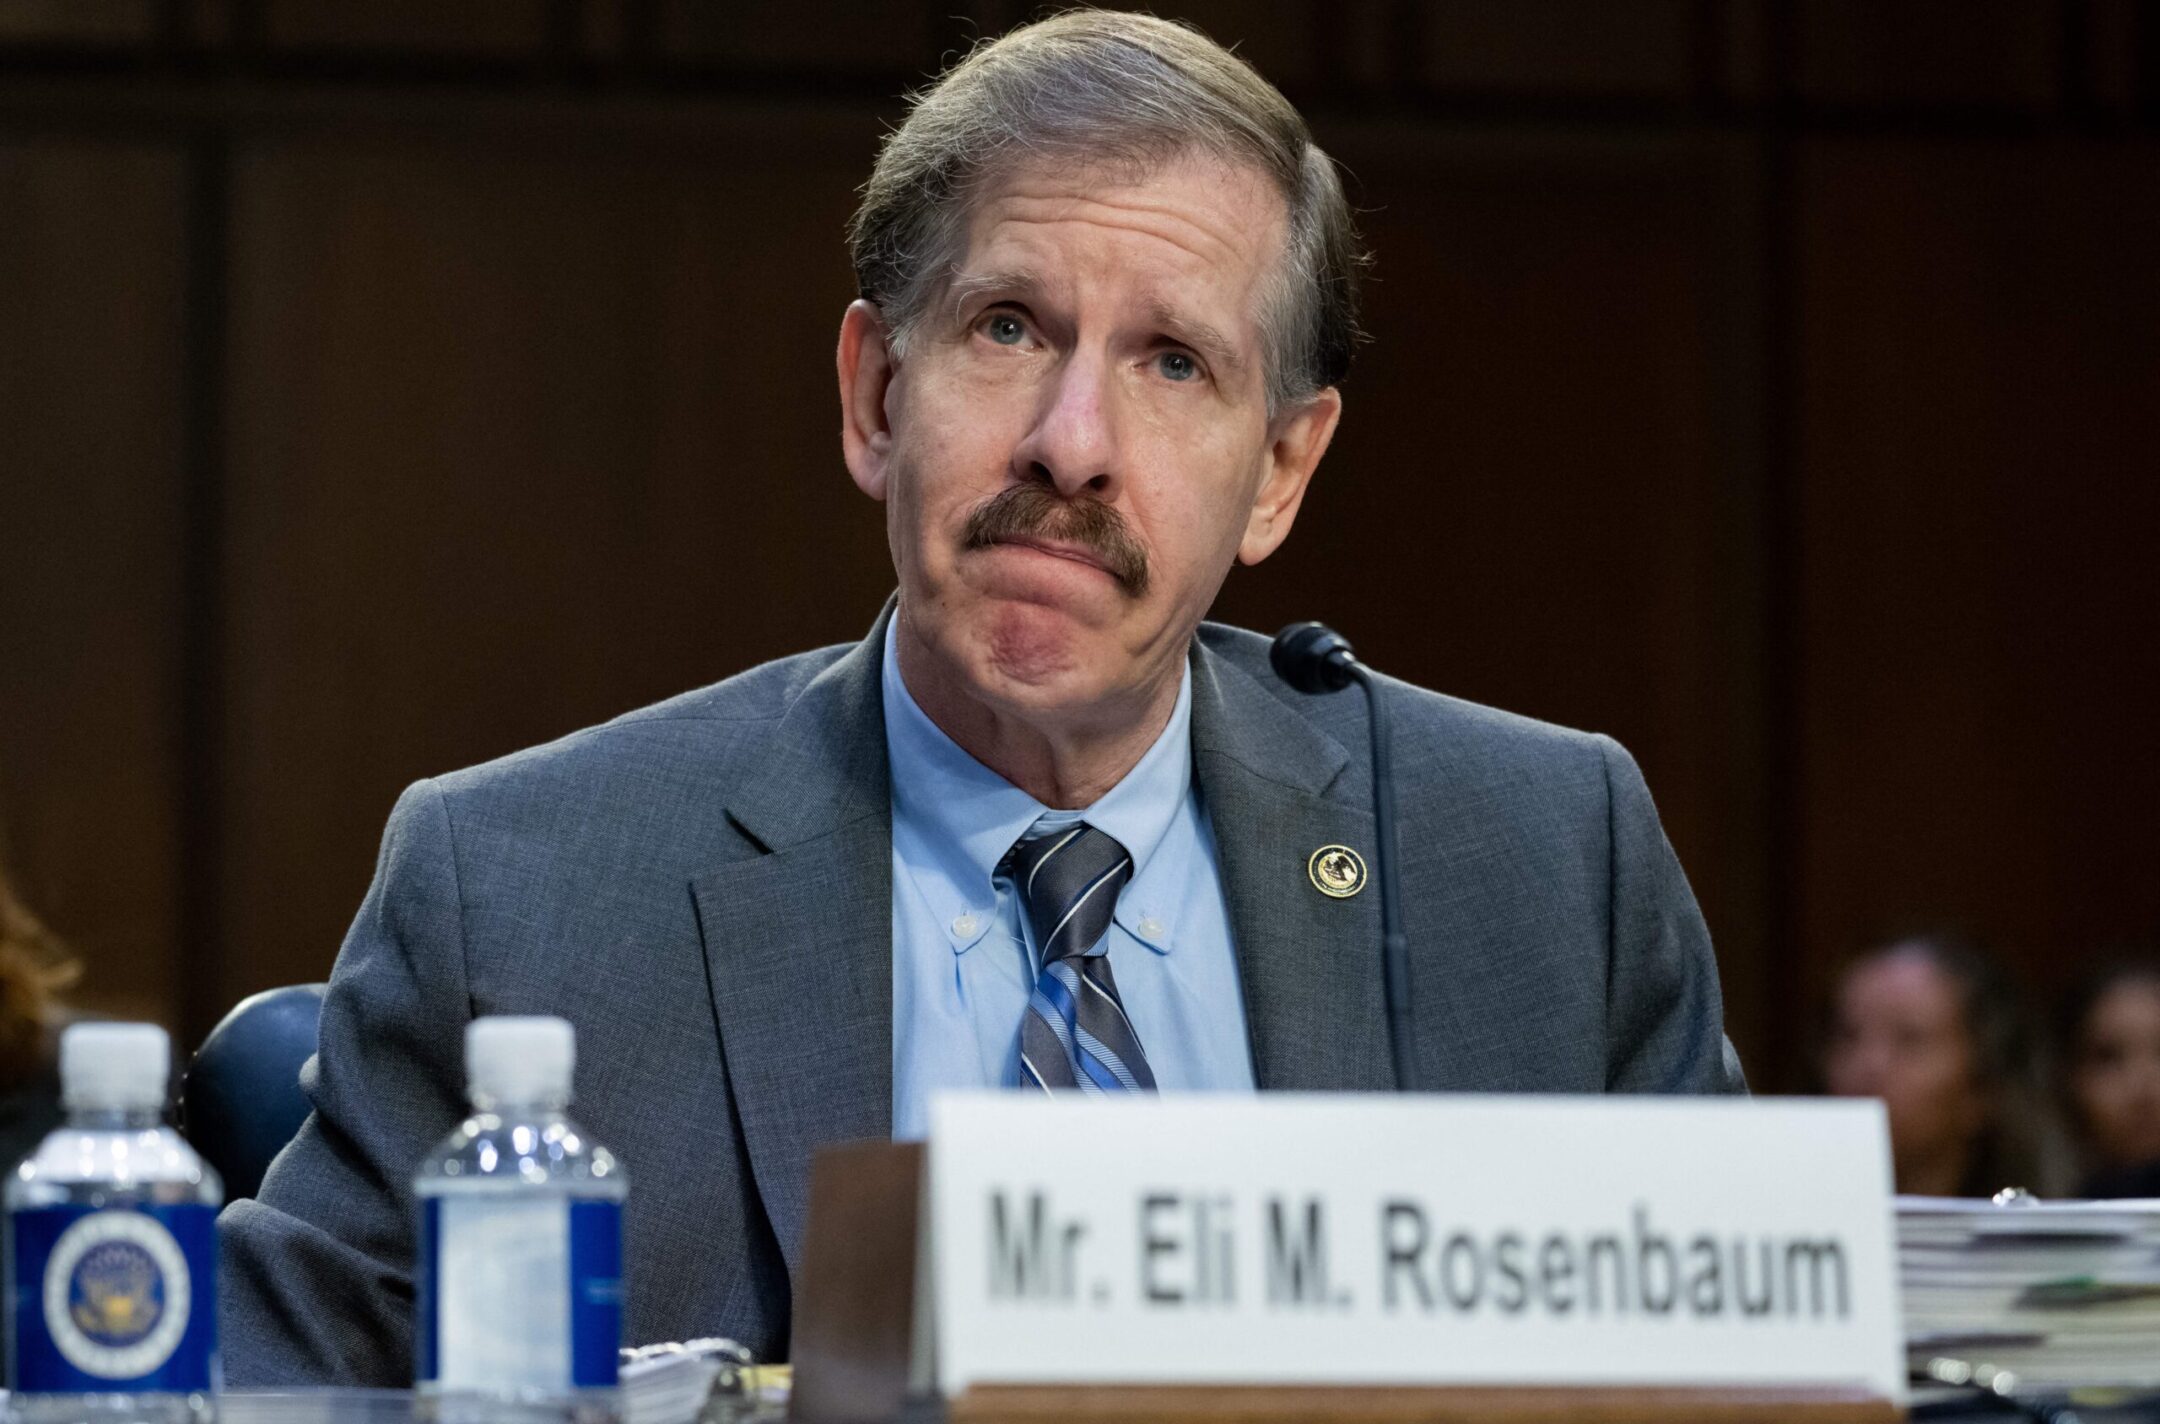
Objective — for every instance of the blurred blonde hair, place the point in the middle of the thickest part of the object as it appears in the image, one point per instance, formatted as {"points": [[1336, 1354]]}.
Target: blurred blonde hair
{"points": [[34, 966]]}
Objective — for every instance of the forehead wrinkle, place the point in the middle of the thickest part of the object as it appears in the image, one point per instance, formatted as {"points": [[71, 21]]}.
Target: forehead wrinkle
{"points": [[1166, 222]]}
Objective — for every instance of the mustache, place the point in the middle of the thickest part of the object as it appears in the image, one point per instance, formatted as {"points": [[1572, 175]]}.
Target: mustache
{"points": [[1031, 511]]}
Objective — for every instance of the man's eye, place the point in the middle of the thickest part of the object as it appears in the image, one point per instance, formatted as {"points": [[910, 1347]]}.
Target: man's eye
{"points": [[1177, 366], [1005, 329]]}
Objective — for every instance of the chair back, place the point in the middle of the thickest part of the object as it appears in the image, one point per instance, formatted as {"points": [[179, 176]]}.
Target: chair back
{"points": [[241, 1102]]}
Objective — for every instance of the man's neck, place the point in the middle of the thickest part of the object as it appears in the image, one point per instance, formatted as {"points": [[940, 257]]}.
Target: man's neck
{"points": [[1067, 764]]}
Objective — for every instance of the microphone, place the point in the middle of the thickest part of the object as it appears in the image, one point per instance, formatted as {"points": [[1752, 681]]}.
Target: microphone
{"points": [[1314, 658]]}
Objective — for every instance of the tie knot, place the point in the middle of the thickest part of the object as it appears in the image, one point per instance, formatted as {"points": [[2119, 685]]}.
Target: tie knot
{"points": [[1068, 882]]}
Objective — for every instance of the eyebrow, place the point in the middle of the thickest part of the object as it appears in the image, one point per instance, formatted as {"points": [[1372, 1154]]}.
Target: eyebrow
{"points": [[1021, 282], [1201, 337], [965, 287]]}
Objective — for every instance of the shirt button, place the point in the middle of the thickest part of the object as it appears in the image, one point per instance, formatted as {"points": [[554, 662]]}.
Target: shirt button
{"points": [[1152, 928], [964, 926]]}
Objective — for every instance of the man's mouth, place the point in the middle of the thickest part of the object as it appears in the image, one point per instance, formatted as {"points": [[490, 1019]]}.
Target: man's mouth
{"points": [[1074, 552], [1086, 531]]}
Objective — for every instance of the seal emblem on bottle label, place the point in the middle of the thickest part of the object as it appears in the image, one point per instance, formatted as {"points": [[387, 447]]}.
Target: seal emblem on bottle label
{"points": [[1337, 871], [117, 1294]]}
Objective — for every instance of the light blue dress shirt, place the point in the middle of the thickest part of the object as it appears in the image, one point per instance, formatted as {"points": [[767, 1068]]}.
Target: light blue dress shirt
{"points": [[963, 961]]}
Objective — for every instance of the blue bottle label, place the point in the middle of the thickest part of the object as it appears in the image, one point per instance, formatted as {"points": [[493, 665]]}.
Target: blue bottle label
{"points": [[518, 1293], [596, 1295], [118, 1300]]}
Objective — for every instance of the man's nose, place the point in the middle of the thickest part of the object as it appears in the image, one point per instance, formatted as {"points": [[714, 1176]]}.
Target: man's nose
{"points": [[1073, 442]]}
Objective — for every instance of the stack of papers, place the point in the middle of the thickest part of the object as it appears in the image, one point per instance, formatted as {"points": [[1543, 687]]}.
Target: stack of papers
{"points": [[2031, 1296], [703, 1382], [667, 1389]]}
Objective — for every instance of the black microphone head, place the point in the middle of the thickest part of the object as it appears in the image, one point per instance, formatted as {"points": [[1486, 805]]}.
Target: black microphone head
{"points": [[1312, 657]]}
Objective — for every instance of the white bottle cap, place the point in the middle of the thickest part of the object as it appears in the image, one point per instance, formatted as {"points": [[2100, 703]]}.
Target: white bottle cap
{"points": [[519, 1059], [114, 1066]]}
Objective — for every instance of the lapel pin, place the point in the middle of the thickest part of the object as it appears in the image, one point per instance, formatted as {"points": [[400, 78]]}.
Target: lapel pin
{"points": [[1337, 871]]}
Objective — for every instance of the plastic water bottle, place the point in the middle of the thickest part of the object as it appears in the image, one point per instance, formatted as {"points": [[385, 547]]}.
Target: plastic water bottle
{"points": [[112, 1247], [520, 1269]]}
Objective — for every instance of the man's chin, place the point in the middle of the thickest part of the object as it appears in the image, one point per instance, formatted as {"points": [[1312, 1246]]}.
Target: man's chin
{"points": [[1035, 644], [1037, 651]]}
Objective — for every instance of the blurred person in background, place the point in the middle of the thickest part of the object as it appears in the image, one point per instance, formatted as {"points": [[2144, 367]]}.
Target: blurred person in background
{"points": [[2111, 1076], [1932, 1026], [33, 968]]}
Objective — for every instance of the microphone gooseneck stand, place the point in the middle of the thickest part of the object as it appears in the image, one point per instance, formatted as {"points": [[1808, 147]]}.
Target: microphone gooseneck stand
{"points": [[1314, 658]]}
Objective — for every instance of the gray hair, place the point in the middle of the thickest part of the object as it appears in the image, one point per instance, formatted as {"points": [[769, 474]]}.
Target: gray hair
{"points": [[1106, 87]]}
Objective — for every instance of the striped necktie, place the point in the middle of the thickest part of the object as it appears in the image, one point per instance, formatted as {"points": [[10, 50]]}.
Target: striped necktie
{"points": [[1075, 1034]]}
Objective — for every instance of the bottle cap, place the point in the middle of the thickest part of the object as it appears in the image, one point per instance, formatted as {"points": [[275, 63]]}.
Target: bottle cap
{"points": [[519, 1059], [114, 1066]]}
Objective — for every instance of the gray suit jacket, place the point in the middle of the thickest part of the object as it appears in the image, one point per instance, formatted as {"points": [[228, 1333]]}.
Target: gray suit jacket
{"points": [[704, 889]]}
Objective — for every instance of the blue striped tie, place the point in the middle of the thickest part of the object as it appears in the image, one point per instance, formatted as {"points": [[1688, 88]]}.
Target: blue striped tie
{"points": [[1075, 1034]]}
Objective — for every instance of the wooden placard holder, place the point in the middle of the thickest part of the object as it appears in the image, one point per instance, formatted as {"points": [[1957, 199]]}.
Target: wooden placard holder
{"points": [[854, 1324]]}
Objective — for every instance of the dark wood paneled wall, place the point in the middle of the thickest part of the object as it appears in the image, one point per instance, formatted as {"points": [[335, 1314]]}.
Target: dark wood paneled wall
{"points": [[1771, 383]]}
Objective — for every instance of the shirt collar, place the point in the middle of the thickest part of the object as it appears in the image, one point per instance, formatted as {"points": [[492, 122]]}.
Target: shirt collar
{"points": [[966, 816]]}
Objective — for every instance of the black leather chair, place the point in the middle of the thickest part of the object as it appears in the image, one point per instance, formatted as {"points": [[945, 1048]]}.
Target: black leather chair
{"points": [[241, 1101]]}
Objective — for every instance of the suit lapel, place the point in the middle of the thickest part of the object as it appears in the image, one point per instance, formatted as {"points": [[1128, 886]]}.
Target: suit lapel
{"points": [[798, 933], [798, 938], [1276, 789]]}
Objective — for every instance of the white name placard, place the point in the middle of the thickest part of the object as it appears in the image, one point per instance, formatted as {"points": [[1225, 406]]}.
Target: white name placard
{"points": [[1292, 1239]]}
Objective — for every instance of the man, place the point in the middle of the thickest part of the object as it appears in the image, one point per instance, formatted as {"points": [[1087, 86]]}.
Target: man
{"points": [[1041, 828]]}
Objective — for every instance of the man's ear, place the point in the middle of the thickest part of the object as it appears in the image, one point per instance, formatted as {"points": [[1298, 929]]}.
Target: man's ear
{"points": [[866, 369], [1300, 438]]}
